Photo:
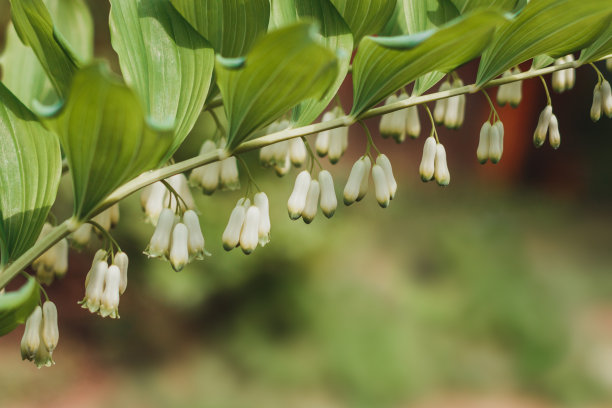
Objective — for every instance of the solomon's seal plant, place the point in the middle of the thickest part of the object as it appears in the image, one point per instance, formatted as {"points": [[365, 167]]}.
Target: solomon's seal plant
{"points": [[274, 67]]}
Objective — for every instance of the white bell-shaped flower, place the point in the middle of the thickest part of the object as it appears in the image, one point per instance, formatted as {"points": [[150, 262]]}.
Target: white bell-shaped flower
{"points": [[281, 152], [606, 98], [207, 177], [82, 235], [559, 78], [395, 123], [353, 184], [180, 184], [413, 123], [160, 241], [230, 178], [195, 240], [50, 331], [387, 126], [266, 155], [43, 357], [282, 169], [109, 302], [496, 137], [441, 173], [231, 235], [381, 186], [312, 202], [570, 74], [144, 196], [179, 248], [122, 262], [384, 162], [597, 103], [249, 236], [156, 202], [329, 202], [482, 152], [554, 136], [455, 108], [297, 200], [539, 136], [504, 91], [31, 335], [62, 249], [297, 152], [100, 255], [427, 167], [338, 142], [516, 91], [439, 112], [323, 138], [461, 108], [365, 180], [94, 287], [261, 201]]}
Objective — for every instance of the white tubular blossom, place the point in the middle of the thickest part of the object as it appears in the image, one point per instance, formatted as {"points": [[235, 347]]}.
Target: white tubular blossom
{"points": [[206, 177], [329, 202], [31, 335], [504, 91], [384, 162], [338, 141], [195, 241], [413, 123], [122, 262], [441, 168], [297, 200], [559, 78], [570, 73], [156, 202], [109, 303], [323, 138], [428, 160], [539, 136], [482, 152], [281, 152], [249, 236], [381, 186], [606, 98], [365, 180], [179, 183], [50, 331], [297, 152], [516, 90], [179, 248], [82, 235], [496, 147], [231, 235], [266, 155], [451, 116], [160, 241], [283, 168], [261, 201], [312, 202], [144, 196], [461, 106], [440, 109], [114, 215], [230, 178], [353, 185], [61, 258], [554, 137], [94, 288], [597, 103], [387, 126], [104, 220], [100, 255]]}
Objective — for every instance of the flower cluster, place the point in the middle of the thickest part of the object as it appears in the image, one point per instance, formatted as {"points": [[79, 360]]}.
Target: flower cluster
{"points": [[41, 335], [512, 92], [564, 80], [282, 155], [433, 162], [106, 219], [104, 284], [156, 197], [602, 100], [309, 193], [332, 143], [547, 123], [54, 262], [218, 175], [491, 142], [450, 111], [400, 123], [248, 225]]}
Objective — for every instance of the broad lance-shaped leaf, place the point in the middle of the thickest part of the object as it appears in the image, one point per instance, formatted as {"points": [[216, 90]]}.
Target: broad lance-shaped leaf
{"points": [[552, 27], [284, 68], [16, 306], [165, 60], [30, 171], [231, 26], [34, 26], [602, 47], [336, 36], [73, 20], [106, 137], [464, 6], [365, 17], [385, 64]]}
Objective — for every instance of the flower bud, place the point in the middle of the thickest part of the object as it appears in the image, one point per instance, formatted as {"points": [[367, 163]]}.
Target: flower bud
{"points": [[160, 241], [606, 98], [596, 107], [31, 335], [365, 180], [230, 178], [50, 331], [554, 136], [539, 137], [179, 249], [482, 152], [249, 236], [82, 235], [156, 202], [381, 186], [261, 202], [338, 140], [312, 202], [440, 109], [122, 261], [441, 168], [413, 123], [297, 200], [297, 152], [609, 64], [516, 91], [559, 78], [451, 116], [109, 302], [95, 287], [114, 215], [427, 166], [207, 177], [496, 138], [329, 202], [353, 184], [195, 240], [231, 235], [384, 162], [461, 106]]}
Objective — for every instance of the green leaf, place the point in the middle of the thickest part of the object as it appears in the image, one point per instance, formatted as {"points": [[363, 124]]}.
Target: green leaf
{"points": [[542, 61], [231, 26], [385, 64], [30, 171], [465, 6], [602, 47], [336, 37], [165, 60], [365, 17], [73, 21], [552, 27], [34, 26], [284, 68], [105, 136], [16, 306]]}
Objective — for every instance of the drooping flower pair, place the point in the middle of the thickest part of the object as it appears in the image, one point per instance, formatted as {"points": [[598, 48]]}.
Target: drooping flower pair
{"points": [[309, 193], [564, 80], [334, 142], [491, 142], [450, 111], [41, 335], [433, 163], [218, 175], [400, 123], [602, 101], [511, 93], [547, 123], [385, 185], [104, 284], [248, 225]]}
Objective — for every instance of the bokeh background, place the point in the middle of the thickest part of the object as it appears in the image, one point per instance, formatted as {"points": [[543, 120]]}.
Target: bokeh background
{"points": [[495, 291]]}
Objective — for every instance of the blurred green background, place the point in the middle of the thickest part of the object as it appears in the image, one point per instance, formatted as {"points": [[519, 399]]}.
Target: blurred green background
{"points": [[492, 292]]}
